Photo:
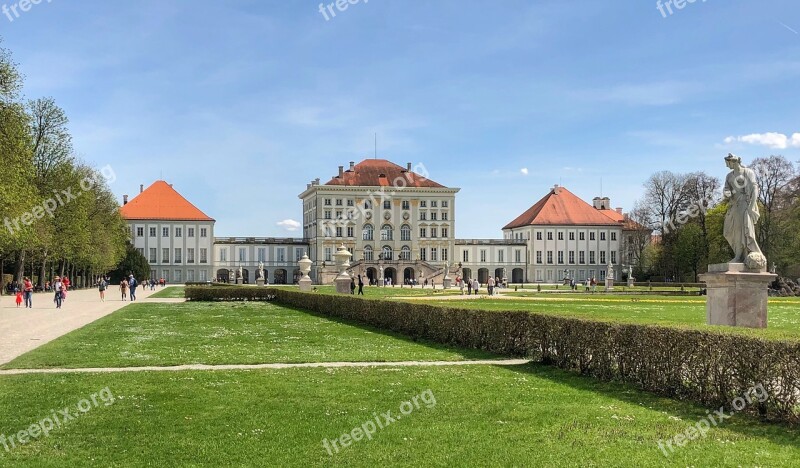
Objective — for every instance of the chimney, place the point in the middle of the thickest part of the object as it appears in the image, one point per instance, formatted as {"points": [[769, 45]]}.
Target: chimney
{"points": [[308, 186], [124, 200], [352, 166], [141, 188], [556, 189], [341, 171], [619, 210], [316, 181], [408, 167]]}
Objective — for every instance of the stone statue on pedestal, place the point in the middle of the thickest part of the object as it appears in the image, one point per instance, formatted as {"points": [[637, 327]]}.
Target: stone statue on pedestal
{"points": [[260, 270], [741, 192]]}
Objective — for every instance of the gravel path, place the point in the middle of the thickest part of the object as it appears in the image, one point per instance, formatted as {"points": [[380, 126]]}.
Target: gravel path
{"points": [[22, 330], [204, 367]]}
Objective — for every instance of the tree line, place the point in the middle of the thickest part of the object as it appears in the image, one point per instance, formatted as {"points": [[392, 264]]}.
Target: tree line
{"points": [[58, 214], [685, 213]]}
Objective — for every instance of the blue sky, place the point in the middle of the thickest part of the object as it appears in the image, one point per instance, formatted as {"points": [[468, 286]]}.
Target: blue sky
{"points": [[240, 103]]}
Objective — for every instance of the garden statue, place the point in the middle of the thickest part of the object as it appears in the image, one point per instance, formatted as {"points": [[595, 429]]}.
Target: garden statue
{"points": [[741, 192]]}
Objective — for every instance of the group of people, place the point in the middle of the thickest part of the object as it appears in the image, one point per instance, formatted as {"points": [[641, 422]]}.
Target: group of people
{"points": [[360, 285], [473, 286], [58, 285]]}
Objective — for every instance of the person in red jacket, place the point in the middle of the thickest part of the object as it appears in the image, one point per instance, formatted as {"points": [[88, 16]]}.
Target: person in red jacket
{"points": [[27, 291]]}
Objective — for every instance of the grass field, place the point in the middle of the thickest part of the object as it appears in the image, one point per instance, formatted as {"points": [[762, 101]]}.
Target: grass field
{"points": [[170, 292], [214, 333]]}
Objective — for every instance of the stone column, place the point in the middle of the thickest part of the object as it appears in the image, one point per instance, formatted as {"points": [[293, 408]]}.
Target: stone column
{"points": [[737, 296]]}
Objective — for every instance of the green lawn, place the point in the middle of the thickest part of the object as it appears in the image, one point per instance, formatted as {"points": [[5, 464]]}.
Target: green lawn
{"points": [[170, 292], [381, 292], [223, 333], [483, 416], [784, 313]]}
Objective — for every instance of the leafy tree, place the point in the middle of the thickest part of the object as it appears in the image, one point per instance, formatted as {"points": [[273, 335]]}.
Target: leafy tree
{"points": [[133, 263]]}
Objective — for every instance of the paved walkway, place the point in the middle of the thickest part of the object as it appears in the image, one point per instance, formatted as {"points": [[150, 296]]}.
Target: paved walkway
{"points": [[204, 367], [22, 330]]}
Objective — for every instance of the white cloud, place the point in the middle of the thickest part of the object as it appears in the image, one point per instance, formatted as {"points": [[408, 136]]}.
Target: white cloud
{"points": [[770, 139], [289, 224], [524, 171]]}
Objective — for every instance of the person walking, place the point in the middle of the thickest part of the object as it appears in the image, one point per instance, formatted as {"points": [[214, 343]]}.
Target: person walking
{"points": [[58, 288], [469, 287], [490, 285], [102, 286], [123, 288], [27, 292], [360, 285], [132, 283], [476, 286], [352, 285]]}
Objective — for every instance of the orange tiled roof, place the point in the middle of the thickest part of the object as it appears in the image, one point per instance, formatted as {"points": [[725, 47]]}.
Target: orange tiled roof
{"points": [[381, 173], [561, 207], [161, 201], [614, 215]]}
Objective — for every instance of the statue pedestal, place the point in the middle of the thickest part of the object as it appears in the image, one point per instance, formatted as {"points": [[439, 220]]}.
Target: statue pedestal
{"points": [[307, 285], [260, 282], [447, 283], [342, 285], [737, 297], [239, 280], [609, 284]]}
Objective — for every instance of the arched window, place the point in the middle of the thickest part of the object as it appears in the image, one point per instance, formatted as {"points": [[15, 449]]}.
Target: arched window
{"points": [[405, 253], [367, 232], [368, 253], [387, 253], [386, 232], [405, 233]]}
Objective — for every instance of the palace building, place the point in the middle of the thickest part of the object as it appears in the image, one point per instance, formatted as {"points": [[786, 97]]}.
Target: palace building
{"points": [[398, 224]]}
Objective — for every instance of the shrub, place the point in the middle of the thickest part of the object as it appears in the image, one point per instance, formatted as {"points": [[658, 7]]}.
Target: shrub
{"points": [[709, 367]]}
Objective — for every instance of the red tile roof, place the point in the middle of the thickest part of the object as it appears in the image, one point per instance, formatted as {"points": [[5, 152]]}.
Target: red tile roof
{"points": [[381, 173], [614, 215], [561, 207], [161, 201]]}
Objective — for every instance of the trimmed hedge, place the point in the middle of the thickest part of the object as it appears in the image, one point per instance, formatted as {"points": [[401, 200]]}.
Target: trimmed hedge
{"points": [[709, 367], [224, 292]]}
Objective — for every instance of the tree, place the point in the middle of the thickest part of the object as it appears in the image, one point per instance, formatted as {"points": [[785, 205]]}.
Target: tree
{"points": [[134, 263], [690, 251], [773, 175]]}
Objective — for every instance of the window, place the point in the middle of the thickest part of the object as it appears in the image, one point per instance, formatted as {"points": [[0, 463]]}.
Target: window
{"points": [[177, 276], [423, 254], [203, 256], [571, 256], [434, 216], [444, 232], [434, 233], [366, 233], [405, 253], [190, 232], [423, 216], [387, 253], [367, 204], [190, 276], [223, 255], [434, 203], [500, 256], [153, 255], [338, 231], [560, 236], [281, 254], [327, 202], [444, 254], [602, 236], [423, 232], [614, 256], [139, 232], [406, 205], [571, 236], [538, 236], [591, 258], [178, 255], [298, 254], [539, 257], [141, 251], [444, 216], [550, 257], [483, 256], [582, 257], [203, 276], [338, 214], [339, 202], [549, 236], [465, 255], [350, 203], [351, 232], [387, 205], [445, 204], [434, 254], [560, 257], [613, 236], [423, 204], [262, 254], [386, 232], [591, 236], [203, 232], [602, 257], [328, 254], [367, 254], [242, 254], [165, 232], [152, 232], [165, 255], [178, 232], [518, 256], [582, 236], [405, 233]]}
